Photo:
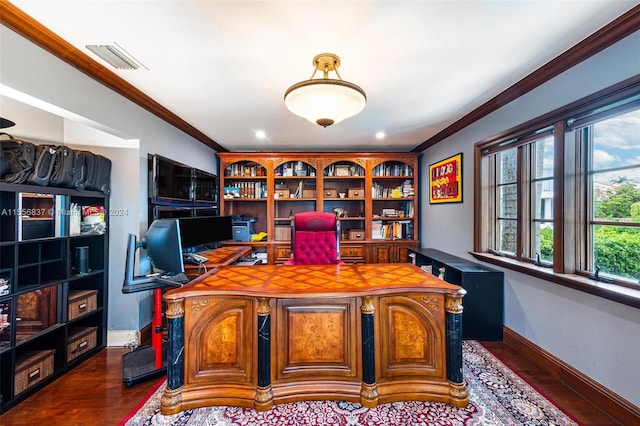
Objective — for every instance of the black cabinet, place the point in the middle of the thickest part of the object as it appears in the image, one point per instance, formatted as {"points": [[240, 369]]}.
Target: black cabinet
{"points": [[483, 315], [43, 231]]}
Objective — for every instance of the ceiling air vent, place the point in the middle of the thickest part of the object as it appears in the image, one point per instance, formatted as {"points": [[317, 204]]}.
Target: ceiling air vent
{"points": [[115, 55]]}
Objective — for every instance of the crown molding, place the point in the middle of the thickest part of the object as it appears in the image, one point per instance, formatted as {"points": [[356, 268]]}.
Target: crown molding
{"points": [[23, 24], [608, 35]]}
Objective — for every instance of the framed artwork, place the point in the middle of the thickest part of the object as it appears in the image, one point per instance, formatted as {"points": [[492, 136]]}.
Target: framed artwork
{"points": [[445, 180]]}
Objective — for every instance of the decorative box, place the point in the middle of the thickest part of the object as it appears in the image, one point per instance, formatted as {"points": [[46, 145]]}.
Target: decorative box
{"points": [[356, 234], [281, 193], [308, 193], [81, 302], [331, 193], [80, 340], [32, 367], [355, 193], [342, 170]]}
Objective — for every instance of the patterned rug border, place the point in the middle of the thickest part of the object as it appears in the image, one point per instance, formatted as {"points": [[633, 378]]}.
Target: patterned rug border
{"points": [[498, 396], [537, 389]]}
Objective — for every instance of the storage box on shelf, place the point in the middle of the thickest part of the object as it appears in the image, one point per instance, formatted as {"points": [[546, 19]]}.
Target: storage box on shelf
{"points": [[80, 340], [31, 368], [39, 270], [342, 183], [81, 302]]}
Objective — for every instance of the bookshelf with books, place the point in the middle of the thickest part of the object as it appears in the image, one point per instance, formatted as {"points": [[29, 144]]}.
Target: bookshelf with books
{"points": [[373, 194]]}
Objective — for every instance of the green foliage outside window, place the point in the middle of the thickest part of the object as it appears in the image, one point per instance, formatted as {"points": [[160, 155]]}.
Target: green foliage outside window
{"points": [[616, 250], [546, 244]]}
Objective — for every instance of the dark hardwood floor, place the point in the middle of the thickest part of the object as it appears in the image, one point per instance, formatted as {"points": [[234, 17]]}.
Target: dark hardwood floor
{"points": [[93, 393]]}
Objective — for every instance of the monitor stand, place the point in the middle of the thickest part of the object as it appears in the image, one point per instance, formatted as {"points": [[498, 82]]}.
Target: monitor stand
{"points": [[145, 362]]}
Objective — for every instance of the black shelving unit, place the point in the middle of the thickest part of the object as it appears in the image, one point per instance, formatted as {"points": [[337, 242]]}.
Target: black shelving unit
{"points": [[40, 272], [483, 315]]}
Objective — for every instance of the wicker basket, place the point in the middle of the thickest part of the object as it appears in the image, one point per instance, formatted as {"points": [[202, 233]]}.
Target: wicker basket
{"points": [[32, 367], [82, 302], [80, 340]]}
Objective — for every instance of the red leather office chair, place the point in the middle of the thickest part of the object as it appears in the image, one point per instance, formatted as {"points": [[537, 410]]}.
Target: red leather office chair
{"points": [[315, 239]]}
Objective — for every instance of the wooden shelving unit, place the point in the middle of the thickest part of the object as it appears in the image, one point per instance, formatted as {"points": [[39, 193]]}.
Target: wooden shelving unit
{"points": [[39, 277], [375, 195]]}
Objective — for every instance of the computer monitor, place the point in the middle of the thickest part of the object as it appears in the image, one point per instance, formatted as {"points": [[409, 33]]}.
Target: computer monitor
{"points": [[164, 246], [204, 232]]}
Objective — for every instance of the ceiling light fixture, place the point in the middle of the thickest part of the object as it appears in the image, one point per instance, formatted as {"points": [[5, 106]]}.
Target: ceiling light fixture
{"points": [[325, 101]]}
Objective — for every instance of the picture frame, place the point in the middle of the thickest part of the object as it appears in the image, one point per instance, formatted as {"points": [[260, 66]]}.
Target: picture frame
{"points": [[445, 180]]}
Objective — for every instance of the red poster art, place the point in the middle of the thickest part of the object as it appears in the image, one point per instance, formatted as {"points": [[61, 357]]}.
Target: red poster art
{"points": [[445, 180]]}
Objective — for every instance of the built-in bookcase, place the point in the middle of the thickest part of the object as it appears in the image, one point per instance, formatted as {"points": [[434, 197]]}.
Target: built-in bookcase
{"points": [[374, 194]]}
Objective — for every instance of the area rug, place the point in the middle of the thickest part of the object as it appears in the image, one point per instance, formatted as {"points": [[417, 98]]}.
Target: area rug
{"points": [[497, 397]]}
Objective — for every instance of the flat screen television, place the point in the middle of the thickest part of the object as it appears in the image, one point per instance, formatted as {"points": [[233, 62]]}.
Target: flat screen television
{"points": [[170, 182], [205, 188], [204, 233]]}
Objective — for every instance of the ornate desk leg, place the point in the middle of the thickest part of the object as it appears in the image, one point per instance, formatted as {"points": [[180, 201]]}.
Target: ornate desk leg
{"points": [[172, 397], [369, 391], [458, 390], [264, 394]]}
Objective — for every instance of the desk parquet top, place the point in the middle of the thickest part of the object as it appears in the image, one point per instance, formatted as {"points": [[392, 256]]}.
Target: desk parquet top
{"points": [[307, 280]]}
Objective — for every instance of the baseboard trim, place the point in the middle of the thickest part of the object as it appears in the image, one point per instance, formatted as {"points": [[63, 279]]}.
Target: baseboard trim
{"points": [[121, 337], [145, 334], [611, 403]]}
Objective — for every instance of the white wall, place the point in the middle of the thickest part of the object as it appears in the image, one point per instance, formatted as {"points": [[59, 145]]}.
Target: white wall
{"points": [[597, 336], [32, 74]]}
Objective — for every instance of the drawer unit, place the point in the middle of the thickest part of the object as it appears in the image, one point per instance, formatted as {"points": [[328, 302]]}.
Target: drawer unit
{"points": [[352, 253], [80, 340], [282, 253], [32, 367], [330, 193], [81, 302]]}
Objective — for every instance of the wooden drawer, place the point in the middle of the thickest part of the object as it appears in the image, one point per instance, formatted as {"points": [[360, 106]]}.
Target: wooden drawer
{"points": [[32, 367], [80, 340], [330, 193], [352, 253], [283, 253], [82, 302], [308, 193]]}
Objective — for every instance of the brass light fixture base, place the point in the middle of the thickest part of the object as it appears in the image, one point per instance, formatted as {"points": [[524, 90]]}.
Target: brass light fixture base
{"points": [[326, 62]]}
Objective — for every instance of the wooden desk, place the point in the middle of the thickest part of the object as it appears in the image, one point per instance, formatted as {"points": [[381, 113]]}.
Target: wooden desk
{"points": [[224, 255], [258, 336]]}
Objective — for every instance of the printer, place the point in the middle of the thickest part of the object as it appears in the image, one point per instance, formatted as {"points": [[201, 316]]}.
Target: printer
{"points": [[242, 227]]}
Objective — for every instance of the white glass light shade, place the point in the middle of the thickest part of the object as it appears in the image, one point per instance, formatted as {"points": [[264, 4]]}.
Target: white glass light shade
{"points": [[325, 101]]}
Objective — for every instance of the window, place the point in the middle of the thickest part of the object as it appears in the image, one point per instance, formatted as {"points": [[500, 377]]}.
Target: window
{"points": [[612, 172], [524, 223], [562, 192]]}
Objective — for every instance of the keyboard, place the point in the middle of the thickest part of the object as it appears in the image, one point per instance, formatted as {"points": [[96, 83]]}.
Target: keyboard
{"points": [[194, 259], [180, 278]]}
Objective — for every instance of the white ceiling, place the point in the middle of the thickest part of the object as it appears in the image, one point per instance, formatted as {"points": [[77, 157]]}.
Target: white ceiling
{"points": [[223, 66]]}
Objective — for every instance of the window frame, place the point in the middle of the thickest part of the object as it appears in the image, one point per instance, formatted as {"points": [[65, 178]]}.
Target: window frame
{"points": [[570, 196]]}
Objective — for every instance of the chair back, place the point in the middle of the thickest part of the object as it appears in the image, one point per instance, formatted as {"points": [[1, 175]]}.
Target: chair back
{"points": [[315, 239]]}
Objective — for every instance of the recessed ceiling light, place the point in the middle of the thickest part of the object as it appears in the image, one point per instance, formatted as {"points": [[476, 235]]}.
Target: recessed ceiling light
{"points": [[380, 135], [260, 134]]}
